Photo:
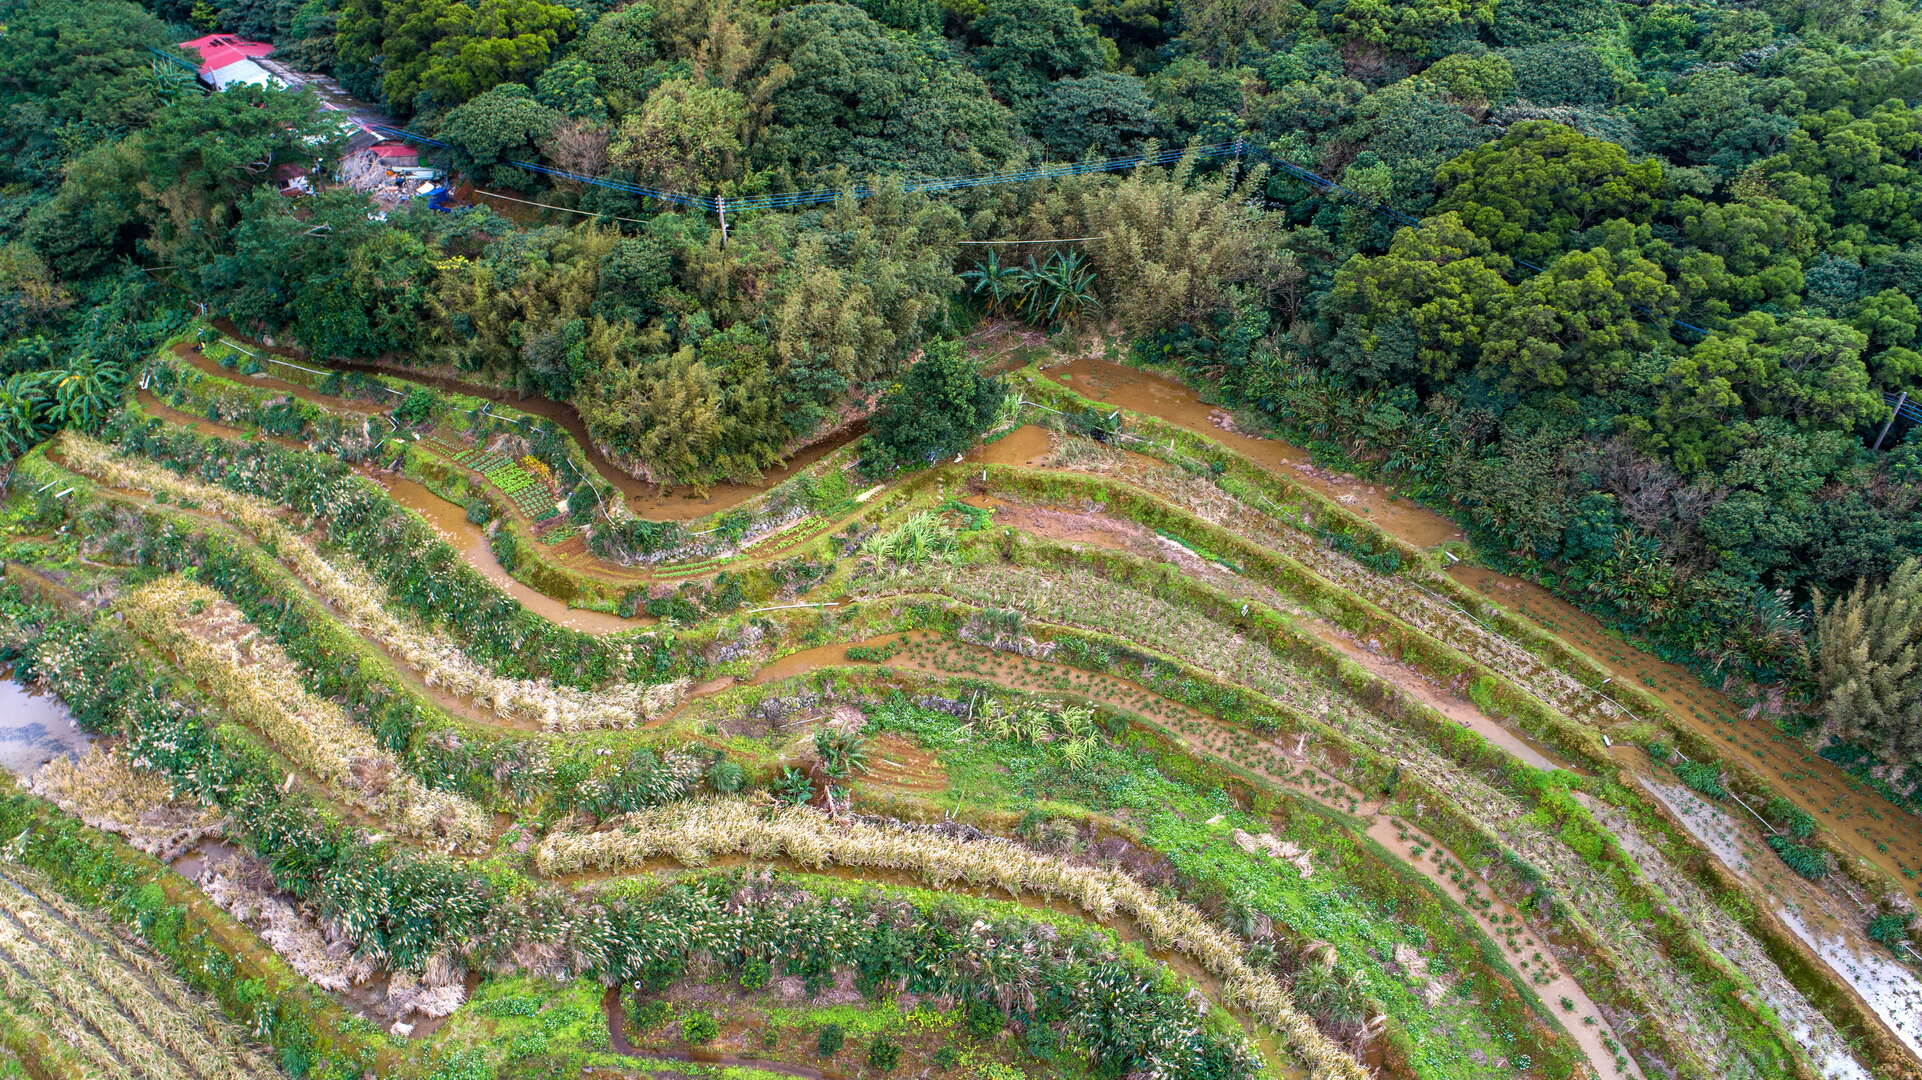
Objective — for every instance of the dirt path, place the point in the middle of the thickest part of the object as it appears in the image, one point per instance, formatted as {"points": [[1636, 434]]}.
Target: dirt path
{"points": [[471, 541], [1862, 820], [1157, 396], [927, 653]]}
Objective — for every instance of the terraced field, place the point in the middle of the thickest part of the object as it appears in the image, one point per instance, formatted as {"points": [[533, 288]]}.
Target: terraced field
{"points": [[1127, 745]]}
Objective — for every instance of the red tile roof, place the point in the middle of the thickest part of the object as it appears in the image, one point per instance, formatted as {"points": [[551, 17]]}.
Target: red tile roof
{"points": [[218, 50], [394, 150]]}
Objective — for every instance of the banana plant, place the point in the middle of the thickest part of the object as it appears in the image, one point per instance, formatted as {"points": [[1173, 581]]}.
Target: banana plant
{"points": [[22, 409], [84, 393], [1001, 284], [1061, 290]]}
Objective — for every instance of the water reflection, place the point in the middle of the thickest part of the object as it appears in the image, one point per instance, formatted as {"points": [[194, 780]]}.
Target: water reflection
{"points": [[35, 728]]}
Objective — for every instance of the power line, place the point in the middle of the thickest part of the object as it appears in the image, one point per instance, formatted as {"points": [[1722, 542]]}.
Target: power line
{"points": [[1236, 148], [1057, 240], [551, 206]]}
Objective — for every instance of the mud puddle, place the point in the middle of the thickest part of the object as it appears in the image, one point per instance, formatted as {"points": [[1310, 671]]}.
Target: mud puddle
{"points": [[1166, 399], [1029, 444], [35, 728]]}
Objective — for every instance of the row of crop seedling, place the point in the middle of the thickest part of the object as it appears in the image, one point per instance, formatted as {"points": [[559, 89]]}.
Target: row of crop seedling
{"points": [[255, 682], [1123, 1011], [695, 833], [334, 663], [361, 601], [421, 571], [1356, 721]]}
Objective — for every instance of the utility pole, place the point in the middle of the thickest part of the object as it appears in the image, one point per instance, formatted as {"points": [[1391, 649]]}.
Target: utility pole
{"points": [[721, 206], [1900, 401]]}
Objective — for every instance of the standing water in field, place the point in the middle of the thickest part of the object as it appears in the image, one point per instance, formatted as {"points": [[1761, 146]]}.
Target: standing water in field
{"points": [[35, 728]]}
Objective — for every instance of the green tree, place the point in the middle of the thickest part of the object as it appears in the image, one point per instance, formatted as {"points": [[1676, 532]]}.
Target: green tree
{"points": [[1869, 663], [1716, 117], [1581, 323], [1028, 44], [687, 137], [504, 124], [936, 409], [1198, 103], [1528, 190], [1889, 318], [212, 151], [84, 68], [1229, 32], [1532, 22], [1570, 72], [569, 87], [1473, 80], [446, 52], [1402, 27], [1104, 115], [623, 51], [1420, 311], [841, 90], [1804, 369]]}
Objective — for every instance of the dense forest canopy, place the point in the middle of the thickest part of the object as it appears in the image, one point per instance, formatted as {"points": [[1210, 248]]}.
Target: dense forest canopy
{"points": [[1667, 266]]}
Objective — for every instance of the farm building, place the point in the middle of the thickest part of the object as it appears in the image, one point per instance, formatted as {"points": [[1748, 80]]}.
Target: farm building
{"points": [[226, 60], [386, 170]]}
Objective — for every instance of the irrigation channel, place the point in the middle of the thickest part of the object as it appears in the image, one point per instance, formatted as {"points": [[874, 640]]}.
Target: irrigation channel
{"points": [[1875, 830]]}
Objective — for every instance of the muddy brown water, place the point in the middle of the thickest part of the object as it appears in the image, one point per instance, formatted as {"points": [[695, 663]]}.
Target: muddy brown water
{"points": [[35, 728], [1164, 398], [468, 538], [1028, 444], [1856, 816]]}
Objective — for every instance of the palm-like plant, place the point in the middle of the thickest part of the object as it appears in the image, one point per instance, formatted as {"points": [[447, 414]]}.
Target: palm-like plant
{"points": [[1001, 284], [1060, 290], [84, 393], [842, 752], [21, 401]]}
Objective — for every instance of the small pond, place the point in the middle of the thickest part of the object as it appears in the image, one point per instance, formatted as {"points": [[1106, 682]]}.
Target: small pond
{"points": [[35, 728]]}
